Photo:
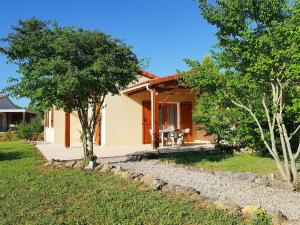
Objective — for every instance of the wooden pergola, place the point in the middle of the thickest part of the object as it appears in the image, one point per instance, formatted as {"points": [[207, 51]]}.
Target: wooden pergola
{"points": [[168, 86]]}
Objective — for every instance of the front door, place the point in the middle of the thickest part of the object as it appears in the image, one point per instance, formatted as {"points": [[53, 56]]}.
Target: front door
{"points": [[146, 123]]}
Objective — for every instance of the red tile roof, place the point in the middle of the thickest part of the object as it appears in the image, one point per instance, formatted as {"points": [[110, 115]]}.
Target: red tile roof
{"points": [[149, 75], [164, 79]]}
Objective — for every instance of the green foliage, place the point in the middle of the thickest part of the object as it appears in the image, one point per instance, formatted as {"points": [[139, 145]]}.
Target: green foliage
{"points": [[231, 125], [258, 46], [30, 130], [261, 219], [33, 194], [69, 68], [9, 135]]}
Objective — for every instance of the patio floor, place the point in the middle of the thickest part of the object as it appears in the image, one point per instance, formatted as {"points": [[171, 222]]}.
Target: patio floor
{"points": [[58, 151]]}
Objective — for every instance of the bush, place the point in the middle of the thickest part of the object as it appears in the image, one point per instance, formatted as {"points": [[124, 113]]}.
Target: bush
{"points": [[30, 130], [9, 136]]}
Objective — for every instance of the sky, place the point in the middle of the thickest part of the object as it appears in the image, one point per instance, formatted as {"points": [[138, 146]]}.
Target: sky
{"points": [[162, 31]]}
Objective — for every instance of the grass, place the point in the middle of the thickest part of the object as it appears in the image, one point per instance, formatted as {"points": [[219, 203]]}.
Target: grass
{"points": [[34, 194], [225, 162]]}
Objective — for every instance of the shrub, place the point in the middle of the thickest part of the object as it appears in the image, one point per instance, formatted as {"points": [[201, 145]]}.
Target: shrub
{"points": [[30, 130], [9, 136]]}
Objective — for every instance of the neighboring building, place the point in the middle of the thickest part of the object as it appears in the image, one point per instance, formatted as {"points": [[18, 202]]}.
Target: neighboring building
{"points": [[11, 114], [128, 118]]}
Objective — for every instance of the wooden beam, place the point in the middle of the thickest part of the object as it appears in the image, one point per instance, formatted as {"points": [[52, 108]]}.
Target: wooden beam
{"points": [[175, 91], [155, 120], [67, 129]]}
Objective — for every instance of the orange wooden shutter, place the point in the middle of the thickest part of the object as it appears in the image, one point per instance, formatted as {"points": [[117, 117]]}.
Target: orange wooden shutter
{"points": [[52, 117], [186, 119]]}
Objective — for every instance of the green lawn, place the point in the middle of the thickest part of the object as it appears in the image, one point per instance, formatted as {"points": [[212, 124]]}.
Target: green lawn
{"points": [[225, 162], [33, 194]]}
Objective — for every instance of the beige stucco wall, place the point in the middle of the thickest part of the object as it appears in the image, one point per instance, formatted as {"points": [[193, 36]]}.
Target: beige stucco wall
{"points": [[75, 128], [57, 133], [122, 118]]}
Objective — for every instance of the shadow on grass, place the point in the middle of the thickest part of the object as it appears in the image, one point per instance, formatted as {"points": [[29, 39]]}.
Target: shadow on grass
{"points": [[7, 156], [196, 157]]}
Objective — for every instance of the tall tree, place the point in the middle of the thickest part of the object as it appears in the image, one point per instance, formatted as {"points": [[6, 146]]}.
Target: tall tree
{"points": [[214, 109], [69, 68], [258, 54]]}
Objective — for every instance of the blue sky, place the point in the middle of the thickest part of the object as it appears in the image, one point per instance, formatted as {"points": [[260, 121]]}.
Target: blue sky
{"points": [[164, 31]]}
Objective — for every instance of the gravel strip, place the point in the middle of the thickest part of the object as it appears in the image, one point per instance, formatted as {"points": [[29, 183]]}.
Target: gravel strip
{"points": [[215, 187]]}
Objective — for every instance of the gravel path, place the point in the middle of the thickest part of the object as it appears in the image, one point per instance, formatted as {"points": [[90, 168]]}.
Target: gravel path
{"points": [[212, 186]]}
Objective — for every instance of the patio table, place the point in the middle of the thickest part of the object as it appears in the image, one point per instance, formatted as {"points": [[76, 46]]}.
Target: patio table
{"points": [[165, 132]]}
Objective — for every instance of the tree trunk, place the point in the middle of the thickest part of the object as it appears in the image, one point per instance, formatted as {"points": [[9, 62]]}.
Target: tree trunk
{"points": [[88, 123]]}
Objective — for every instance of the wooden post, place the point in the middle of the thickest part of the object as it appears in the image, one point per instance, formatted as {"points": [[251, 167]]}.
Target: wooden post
{"points": [[67, 129], [155, 118]]}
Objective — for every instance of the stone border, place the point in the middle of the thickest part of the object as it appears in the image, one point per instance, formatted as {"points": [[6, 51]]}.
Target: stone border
{"points": [[248, 211]]}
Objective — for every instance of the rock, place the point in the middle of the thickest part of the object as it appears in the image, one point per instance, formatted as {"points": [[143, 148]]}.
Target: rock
{"points": [[282, 185], [98, 167], [148, 179], [57, 164], [250, 211], [245, 176], [51, 161], [78, 164], [70, 164], [90, 166], [186, 191], [157, 184], [197, 196], [278, 218], [170, 188], [228, 206], [106, 168], [138, 178], [126, 175], [136, 175], [297, 186], [271, 176]]}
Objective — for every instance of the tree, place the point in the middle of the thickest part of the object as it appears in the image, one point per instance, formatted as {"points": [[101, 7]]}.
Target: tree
{"points": [[214, 109], [69, 68], [258, 54]]}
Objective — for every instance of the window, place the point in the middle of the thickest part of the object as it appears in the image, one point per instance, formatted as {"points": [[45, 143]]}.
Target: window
{"points": [[167, 116]]}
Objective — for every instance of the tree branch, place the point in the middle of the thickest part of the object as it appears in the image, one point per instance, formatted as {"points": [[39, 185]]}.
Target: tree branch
{"points": [[295, 131]]}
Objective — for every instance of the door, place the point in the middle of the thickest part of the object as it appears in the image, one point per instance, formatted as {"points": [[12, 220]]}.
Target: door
{"points": [[186, 119], [146, 122]]}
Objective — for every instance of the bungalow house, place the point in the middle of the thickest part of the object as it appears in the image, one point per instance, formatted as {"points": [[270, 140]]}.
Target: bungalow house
{"points": [[136, 116], [11, 114]]}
